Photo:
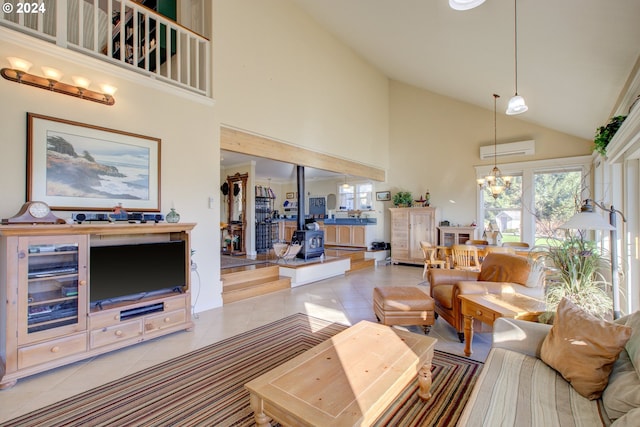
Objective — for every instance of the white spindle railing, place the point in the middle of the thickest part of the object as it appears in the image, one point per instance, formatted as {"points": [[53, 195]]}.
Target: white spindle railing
{"points": [[122, 32]]}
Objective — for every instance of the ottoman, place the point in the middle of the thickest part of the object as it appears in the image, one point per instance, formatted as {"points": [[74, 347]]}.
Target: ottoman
{"points": [[404, 306]]}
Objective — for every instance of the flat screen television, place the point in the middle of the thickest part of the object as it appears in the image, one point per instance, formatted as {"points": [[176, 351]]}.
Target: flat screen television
{"points": [[131, 272]]}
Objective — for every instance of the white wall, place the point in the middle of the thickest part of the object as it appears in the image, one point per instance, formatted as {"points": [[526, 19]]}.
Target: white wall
{"points": [[189, 148], [278, 74], [435, 142]]}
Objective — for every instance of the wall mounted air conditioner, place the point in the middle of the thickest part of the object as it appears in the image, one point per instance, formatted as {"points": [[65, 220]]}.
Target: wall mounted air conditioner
{"points": [[520, 148]]}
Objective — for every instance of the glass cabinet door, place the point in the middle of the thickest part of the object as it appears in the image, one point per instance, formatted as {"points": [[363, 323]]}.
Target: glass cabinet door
{"points": [[54, 299]]}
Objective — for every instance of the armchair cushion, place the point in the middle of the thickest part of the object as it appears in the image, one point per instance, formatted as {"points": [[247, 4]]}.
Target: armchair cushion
{"points": [[499, 267], [444, 295], [583, 348]]}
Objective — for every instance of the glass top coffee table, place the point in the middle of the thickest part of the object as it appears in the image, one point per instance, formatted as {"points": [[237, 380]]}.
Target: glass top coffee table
{"points": [[348, 380]]}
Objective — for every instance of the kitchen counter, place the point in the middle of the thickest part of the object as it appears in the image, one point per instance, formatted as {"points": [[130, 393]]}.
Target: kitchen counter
{"points": [[337, 221], [351, 221]]}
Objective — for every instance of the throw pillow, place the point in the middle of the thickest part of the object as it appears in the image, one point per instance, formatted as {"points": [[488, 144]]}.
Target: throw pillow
{"points": [[583, 348]]}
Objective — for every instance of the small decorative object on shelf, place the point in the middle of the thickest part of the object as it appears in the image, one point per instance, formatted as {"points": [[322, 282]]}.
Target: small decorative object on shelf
{"points": [[119, 213], [173, 216], [427, 198]]}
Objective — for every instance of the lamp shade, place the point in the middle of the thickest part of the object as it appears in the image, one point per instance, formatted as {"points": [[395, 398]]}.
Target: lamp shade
{"points": [[587, 221], [516, 105]]}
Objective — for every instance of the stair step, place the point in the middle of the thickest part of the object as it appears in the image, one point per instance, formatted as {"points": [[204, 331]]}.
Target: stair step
{"points": [[354, 255], [359, 265], [265, 274], [241, 291]]}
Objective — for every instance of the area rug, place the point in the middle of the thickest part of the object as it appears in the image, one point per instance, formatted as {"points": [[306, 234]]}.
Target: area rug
{"points": [[227, 261], [205, 387]]}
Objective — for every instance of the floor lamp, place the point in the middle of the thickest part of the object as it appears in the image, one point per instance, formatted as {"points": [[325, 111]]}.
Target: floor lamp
{"points": [[587, 219]]}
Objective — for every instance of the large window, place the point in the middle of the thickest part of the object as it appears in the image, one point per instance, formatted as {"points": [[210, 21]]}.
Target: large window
{"points": [[504, 212], [556, 196], [356, 196], [543, 195]]}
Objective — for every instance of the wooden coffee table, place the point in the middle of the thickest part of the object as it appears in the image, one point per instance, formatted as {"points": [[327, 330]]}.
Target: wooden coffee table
{"points": [[488, 307], [348, 380]]}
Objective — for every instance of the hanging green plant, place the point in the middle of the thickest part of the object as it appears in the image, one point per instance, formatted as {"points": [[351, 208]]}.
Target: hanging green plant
{"points": [[604, 134]]}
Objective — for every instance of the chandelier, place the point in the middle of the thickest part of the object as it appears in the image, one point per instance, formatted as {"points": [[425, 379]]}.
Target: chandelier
{"points": [[495, 181]]}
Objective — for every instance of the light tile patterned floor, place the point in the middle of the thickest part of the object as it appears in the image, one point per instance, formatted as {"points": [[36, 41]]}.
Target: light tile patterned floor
{"points": [[345, 299]]}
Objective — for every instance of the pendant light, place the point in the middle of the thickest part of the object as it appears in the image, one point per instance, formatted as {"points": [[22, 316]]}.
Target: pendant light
{"points": [[495, 181], [464, 4], [516, 103]]}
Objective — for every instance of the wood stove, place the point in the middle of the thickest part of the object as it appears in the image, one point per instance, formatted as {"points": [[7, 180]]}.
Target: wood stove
{"points": [[312, 242]]}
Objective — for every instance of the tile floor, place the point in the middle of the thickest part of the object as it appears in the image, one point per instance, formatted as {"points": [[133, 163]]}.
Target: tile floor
{"points": [[344, 299]]}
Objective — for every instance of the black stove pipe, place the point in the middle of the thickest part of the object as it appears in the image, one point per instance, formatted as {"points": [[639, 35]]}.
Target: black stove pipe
{"points": [[300, 186]]}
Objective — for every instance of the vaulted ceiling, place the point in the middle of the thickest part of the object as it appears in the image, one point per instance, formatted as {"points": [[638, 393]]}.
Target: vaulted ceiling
{"points": [[574, 56]]}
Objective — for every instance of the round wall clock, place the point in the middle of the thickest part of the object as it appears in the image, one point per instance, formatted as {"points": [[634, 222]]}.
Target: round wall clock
{"points": [[34, 213]]}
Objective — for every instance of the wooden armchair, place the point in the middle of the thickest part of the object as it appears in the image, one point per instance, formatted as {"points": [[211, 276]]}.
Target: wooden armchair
{"points": [[515, 244], [465, 257], [499, 249], [430, 257], [476, 242]]}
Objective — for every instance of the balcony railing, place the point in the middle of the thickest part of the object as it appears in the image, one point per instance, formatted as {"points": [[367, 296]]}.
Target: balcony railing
{"points": [[121, 32]]}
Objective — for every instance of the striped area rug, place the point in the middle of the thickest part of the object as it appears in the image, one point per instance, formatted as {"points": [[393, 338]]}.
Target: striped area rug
{"points": [[205, 387]]}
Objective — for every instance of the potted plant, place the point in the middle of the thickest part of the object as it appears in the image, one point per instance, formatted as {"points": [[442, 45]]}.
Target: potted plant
{"points": [[574, 271], [604, 134], [403, 198]]}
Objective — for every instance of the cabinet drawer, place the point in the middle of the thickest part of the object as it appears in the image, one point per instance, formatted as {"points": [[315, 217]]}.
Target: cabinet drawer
{"points": [[115, 333], [164, 320], [480, 313], [51, 350], [175, 303], [104, 319]]}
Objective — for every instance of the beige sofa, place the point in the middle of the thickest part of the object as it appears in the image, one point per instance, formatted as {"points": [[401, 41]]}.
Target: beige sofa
{"points": [[516, 388]]}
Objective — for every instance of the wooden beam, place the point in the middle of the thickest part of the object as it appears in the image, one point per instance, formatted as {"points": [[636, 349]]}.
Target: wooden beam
{"points": [[260, 146]]}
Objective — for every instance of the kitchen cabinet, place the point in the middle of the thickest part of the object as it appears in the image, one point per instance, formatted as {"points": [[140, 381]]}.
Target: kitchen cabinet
{"points": [[347, 235], [410, 226], [285, 230]]}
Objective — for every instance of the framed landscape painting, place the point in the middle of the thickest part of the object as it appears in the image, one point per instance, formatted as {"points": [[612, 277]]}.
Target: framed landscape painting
{"points": [[75, 166], [382, 196]]}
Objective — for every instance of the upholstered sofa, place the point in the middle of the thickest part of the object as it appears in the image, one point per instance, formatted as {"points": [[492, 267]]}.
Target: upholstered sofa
{"points": [[499, 273], [517, 388]]}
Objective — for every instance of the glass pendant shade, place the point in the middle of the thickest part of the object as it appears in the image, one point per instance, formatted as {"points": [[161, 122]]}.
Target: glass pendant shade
{"points": [[81, 82], [19, 64], [464, 4], [51, 73], [516, 105]]}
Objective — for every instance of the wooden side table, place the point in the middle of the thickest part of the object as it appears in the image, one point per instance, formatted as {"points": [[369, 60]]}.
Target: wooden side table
{"points": [[488, 307]]}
